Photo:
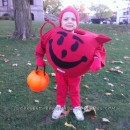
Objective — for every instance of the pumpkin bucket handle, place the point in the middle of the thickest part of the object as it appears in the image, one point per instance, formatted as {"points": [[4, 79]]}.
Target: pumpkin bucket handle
{"points": [[44, 69]]}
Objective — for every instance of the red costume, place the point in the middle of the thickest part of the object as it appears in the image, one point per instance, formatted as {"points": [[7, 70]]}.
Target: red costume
{"points": [[71, 55]]}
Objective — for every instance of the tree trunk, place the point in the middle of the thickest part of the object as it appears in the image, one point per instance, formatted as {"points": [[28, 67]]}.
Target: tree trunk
{"points": [[23, 21]]}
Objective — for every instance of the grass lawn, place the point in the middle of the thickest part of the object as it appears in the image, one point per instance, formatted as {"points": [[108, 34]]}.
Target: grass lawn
{"points": [[108, 92]]}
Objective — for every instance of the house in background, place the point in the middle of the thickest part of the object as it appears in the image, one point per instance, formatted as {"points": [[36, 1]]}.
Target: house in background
{"points": [[123, 13], [37, 12]]}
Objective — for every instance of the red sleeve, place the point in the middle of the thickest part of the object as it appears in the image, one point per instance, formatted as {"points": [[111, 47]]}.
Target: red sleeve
{"points": [[100, 52], [40, 49]]}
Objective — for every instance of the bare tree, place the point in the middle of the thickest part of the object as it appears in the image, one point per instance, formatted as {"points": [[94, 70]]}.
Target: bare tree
{"points": [[101, 11], [52, 6], [22, 18]]}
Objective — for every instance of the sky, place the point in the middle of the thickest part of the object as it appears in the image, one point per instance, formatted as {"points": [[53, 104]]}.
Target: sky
{"points": [[110, 3]]}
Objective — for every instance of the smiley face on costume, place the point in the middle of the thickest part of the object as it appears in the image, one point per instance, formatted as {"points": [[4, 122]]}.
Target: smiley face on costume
{"points": [[71, 53], [59, 61]]}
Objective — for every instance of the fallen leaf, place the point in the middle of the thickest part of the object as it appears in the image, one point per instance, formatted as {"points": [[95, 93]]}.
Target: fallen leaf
{"points": [[6, 60], [86, 86], [99, 129], [122, 95], [110, 84], [29, 63], [92, 117], [9, 90], [111, 90], [37, 101], [70, 125], [53, 74], [55, 87], [2, 55], [105, 120], [122, 85], [106, 79], [121, 62], [64, 114], [116, 69], [18, 54], [15, 64], [126, 57], [45, 59], [108, 94], [86, 98], [90, 109]]}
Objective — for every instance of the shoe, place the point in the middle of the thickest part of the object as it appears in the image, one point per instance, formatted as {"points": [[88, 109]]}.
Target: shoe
{"points": [[57, 112], [78, 113]]}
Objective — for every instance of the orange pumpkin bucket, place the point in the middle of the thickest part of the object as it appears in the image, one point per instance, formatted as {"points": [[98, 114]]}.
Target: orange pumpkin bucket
{"points": [[38, 80]]}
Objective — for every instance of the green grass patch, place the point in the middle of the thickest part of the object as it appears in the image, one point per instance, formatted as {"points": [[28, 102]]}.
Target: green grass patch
{"points": [[18, 107]]}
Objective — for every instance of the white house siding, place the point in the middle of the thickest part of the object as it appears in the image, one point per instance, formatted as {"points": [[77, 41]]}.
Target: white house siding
{"points": [[36, 9], [124, 13]]}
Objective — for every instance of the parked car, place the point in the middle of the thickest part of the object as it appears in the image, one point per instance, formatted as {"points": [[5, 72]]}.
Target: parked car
{"points": [[105, 22]]}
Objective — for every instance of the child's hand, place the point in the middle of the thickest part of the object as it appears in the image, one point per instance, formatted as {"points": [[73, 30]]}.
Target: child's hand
{"points": [[96, 65], [40, 62]]}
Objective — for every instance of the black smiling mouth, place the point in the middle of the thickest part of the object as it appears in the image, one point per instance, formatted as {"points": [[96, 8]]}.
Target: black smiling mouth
{"points": [[64, 64]]}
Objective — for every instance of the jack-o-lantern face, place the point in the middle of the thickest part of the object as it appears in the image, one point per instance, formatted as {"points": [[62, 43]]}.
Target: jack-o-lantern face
{"points": [[71, 53]]}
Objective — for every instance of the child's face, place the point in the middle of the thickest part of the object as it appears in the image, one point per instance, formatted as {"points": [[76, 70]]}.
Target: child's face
{"points": [[68, 21]]}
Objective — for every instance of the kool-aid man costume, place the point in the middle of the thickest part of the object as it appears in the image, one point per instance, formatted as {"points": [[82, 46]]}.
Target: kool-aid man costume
{"points": [[71, 54]]}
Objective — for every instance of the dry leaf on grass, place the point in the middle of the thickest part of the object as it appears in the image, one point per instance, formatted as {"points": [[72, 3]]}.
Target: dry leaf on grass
{"points": [[115, 69], [99, 129], [18, 54], [6, 60], [106, 79], [111, 90], [29, 63], [126, 58], [37, 101], [55, 87], [86, 98], [122, 95], [15, 64], [86, 86], [105, 120], [110, 84], [122, 85], [45, 59], [2, 55], [9, 90], [52, 74], [91, 110], [64, 114], [108, 94], [121, 62], [70, 125]]}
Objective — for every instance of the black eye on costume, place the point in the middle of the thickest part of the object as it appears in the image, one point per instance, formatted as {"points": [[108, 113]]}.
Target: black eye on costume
{"points": [[64, 53], [75, 46], [60, 40]]}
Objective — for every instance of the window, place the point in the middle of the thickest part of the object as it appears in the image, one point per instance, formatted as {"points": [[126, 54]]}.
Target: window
{"points": [[124, 13], [31, 2], [4, 2]]}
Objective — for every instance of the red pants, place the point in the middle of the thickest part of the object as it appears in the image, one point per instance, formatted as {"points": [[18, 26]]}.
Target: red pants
{"points": [[67, 85]]}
